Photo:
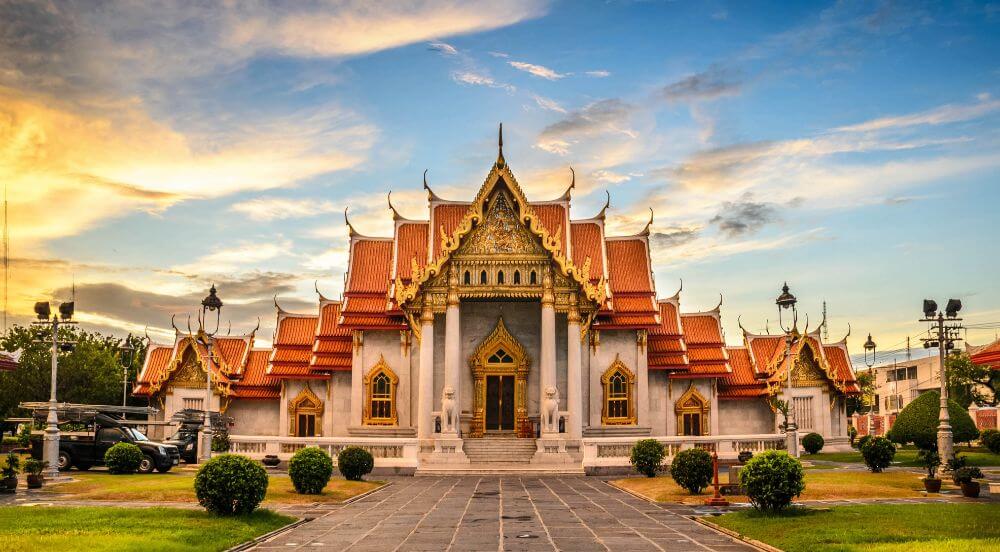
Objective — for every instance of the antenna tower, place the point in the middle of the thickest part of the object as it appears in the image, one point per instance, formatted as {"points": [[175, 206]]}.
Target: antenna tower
{"points": [[6, 258], [826, 333]]}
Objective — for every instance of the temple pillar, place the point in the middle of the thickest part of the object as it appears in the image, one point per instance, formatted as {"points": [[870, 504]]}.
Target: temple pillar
{"points": [[548, 388], [451, 404], [574, 375], [642, 380], [425, 384], [357, 378]]}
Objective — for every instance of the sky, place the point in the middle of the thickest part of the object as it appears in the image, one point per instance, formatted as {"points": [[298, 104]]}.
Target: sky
{"points": [[848, 148]]}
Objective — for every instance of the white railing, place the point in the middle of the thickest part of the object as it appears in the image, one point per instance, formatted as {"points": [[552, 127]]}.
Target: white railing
{"points": [[388, 451], [615, 451]]}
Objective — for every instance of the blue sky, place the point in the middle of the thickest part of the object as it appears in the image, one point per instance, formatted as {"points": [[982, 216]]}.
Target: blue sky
{"points": [[849, 148]]}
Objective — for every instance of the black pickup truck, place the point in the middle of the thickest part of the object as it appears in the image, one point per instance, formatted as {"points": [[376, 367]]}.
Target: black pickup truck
{"points": [[85, 449]]}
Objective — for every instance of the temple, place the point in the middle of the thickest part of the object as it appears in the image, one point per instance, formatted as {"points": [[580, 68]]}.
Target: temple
{"points": [[503, 330]]}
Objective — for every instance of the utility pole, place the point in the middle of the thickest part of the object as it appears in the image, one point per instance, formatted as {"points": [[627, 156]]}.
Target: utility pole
{"points": [[46, 318], [943, 336]]}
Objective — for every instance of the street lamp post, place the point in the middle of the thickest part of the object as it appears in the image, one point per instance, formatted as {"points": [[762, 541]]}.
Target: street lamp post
{"points": [[46, 318], [126, 355], [787, 301], [210, 304], [870, 362], [944, 340]]}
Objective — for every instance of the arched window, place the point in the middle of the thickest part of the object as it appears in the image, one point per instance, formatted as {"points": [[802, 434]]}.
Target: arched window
{"points": [[619, 401], [533, 279], [467, 279], [482, 277], [500, 278], [692, 413], [305, 414], [517, 277], [380, 395]]}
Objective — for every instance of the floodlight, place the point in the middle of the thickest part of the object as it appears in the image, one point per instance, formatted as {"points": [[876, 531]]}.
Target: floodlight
{"points": [[954, 305], [930, 308], [42, 310], [66, 310]]}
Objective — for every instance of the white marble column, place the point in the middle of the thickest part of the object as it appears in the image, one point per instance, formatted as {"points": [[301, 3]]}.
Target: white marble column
{"points": [[548, 361], [357, 377], [574, 376], [642, 380], [425, 385], [452, 361]]}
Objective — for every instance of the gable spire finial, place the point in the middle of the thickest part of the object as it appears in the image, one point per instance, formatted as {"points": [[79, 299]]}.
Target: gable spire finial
{"points": [[500, 160]]}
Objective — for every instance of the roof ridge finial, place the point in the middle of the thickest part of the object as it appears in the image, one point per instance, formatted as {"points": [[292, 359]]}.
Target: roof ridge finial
{"points": [[500, 160], [350, 229], [607, 203], [645, 231]]}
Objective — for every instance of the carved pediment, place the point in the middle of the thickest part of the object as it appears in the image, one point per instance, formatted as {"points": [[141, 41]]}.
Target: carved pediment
{"points": [[501, 232], [807, 372], [189, 374]]}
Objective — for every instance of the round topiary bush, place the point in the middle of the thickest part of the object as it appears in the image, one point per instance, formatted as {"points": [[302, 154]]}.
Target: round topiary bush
{"points": [[354, 463], [230, 484], [647, 456], [772, 479], [692, 469], [123, 458], [310, 470], [918, 422], [813, 443], [878, 453], [990, 438]]}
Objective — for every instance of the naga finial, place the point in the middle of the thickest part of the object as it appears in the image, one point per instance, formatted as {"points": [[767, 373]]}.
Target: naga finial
{"points": [[500, 160]]}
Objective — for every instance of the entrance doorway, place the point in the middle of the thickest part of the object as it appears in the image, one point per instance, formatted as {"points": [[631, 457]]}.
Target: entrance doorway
{"points": [[500, 403]]}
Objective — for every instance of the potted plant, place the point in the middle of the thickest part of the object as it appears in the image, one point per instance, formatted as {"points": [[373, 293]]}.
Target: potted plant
{"points": [[930, 460], [34, 470], [966, 478], [8, 484], [271, 460]]}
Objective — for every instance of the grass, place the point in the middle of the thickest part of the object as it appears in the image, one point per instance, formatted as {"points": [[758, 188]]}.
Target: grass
{"points": [[874, 528], [907, 457], [105, 528], [820, 485], [178, 486]]}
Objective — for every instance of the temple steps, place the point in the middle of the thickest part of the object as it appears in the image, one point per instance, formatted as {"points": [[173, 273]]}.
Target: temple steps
{"points": [[502, 450], [508, 468]]}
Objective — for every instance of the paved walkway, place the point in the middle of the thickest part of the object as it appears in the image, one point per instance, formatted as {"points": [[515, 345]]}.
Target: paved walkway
{"points": [[501, 513]]}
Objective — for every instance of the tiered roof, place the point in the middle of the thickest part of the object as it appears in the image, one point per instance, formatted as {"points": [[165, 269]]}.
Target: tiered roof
{"points": [[689, 345], [987, 355]]}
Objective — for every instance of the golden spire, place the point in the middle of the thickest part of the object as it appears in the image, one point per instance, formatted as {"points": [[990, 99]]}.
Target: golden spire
{"points": [[500, 160]]}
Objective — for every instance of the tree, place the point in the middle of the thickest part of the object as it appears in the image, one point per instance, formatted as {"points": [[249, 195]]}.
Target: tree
{"points": [[90, 373], [969, 382], [918, 422], [862, 403]]}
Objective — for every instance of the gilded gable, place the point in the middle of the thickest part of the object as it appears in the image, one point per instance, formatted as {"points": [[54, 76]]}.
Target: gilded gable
{"points": [[500, 232]]}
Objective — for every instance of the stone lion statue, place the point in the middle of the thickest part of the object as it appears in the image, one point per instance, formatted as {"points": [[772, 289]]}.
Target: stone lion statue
{"points": [[550, 409], [448, 410]]}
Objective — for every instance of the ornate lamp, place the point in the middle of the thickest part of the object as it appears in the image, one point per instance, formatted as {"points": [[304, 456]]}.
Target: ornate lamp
{"points": [[869, 348], [209, 304], [787, 301]]}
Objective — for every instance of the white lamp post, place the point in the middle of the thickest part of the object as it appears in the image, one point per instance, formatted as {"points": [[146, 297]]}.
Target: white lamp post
{"points": [[210, 304], [787, 301], [46, 318]]}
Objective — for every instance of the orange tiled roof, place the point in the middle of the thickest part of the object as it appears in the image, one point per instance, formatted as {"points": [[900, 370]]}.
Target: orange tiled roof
{"points": [[587, 238], [741, 383], [769, 361], [553, 218], [293, 343], [445, 217], [157, 358], [332, 347], [371, 261], [706, 351], [628, 266], [256, 383], [411, 243], [988, 355]]}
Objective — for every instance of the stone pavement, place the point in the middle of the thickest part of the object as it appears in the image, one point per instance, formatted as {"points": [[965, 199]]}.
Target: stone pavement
{"points": [[501, 513]]}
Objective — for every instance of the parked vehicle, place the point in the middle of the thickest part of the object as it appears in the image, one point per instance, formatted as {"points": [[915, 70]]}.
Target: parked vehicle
{"points": [[188, 434]]}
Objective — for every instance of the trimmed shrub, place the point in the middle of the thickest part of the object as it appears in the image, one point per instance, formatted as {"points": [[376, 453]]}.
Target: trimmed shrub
{"points": [[990, 438], [878, 453], [123, 458], [230, 484], [813, 443], [772, 479], [692, 469], [864, 439], [852, 434], [647, 456], [310, 470], [220, 441], [355, 463], [918, 422]]}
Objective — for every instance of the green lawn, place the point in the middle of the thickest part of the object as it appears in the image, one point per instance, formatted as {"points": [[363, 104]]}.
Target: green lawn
{"points": [[104, 528], [178, 486], [907, 457], [874, 528]]}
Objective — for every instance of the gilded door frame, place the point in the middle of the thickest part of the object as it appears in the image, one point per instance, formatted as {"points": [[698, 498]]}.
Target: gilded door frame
{"points": [[500, 338]]}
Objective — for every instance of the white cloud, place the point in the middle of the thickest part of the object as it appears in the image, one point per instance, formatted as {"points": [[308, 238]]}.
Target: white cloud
{"points": [[600, 73], [944, 114], [443, 48], [244, 255], [536, 70], [548, 104], [276, 208], [610, 177], [479, 79]]}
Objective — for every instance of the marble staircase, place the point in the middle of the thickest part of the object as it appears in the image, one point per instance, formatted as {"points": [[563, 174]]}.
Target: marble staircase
{"points": [[499, 450]]}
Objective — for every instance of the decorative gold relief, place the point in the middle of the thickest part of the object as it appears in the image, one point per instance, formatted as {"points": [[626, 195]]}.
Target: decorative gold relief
{"points": [[619, 395], [305, 414], [486, 361], [692, 411], [380, 395]]}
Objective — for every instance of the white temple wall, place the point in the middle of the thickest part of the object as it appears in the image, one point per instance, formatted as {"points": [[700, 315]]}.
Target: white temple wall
{"points": [[676, 390], [586, 389], [339, 405], [253, 417], [812, 413], [386, 344], [658, 414], [745, 417], [620, 343]]}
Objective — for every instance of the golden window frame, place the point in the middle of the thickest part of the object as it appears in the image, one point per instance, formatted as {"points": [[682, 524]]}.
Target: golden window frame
{"points": [[693, 402], [306, 402], [618, 367], [381, 368]]}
